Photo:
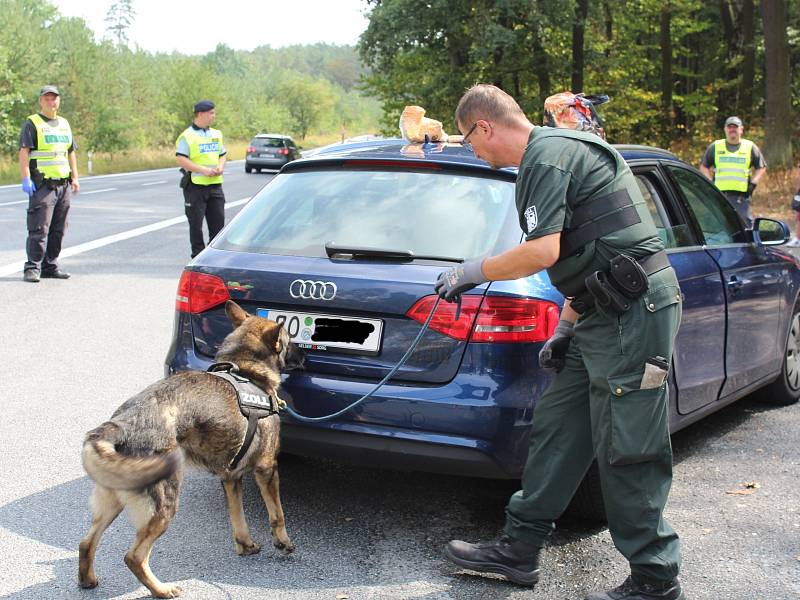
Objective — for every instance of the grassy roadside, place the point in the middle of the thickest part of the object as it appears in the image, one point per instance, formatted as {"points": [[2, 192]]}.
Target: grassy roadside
{"points": [[140, 160]]}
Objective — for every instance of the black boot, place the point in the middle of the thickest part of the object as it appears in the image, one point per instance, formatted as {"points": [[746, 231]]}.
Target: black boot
{"points": [[517, 560], [631, 589]]}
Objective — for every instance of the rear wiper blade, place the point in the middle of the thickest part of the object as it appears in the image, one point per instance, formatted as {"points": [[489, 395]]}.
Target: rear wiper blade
{"points": [[332, 249]]}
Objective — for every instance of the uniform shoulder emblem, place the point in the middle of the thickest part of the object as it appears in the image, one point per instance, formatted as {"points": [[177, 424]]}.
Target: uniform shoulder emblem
{"points": [[531, 219]]}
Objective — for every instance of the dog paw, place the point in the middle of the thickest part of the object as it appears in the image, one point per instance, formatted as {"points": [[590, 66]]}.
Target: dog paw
{"points": [[168, 591], [247, 548], [286, 546], [88, 583]]}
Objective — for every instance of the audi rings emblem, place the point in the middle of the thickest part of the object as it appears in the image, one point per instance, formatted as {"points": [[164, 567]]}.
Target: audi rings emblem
{"points": [[312, 290]]}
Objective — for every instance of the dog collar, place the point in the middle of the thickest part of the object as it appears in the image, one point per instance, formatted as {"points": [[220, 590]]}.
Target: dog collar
{"points": [[254, 403]]}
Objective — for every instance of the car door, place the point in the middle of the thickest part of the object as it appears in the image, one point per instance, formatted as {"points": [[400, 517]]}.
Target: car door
{"points": [[699, 355], [751, 277]]}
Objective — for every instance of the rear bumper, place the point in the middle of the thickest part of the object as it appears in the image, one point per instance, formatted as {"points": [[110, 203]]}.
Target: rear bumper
{"points": [[258, 161], [390, 451]]}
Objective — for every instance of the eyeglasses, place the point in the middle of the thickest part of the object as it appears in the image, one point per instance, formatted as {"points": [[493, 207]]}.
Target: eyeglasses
{"points": [[464, 141]]}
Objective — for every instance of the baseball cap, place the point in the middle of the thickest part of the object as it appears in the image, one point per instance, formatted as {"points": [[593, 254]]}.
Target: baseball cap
{"points": [[203, 106], [49, 89], [733, 121]]}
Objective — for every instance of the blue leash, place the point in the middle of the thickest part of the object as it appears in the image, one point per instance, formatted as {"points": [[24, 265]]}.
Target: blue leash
{"points": [[402, 361]]}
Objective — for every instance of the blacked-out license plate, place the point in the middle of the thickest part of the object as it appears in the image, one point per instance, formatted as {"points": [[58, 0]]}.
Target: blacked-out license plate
{"points": [[313, 331]]}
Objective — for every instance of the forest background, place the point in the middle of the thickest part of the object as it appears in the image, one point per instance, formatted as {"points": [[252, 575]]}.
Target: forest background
{"points": [[674, 69]]}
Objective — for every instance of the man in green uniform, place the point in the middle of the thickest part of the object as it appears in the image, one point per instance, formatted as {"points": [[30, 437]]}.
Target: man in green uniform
{"points": [[585, 222], [200, 151]]}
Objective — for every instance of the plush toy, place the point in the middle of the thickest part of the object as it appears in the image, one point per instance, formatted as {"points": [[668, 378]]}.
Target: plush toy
{"points": [[416, 127], [574, 111]]}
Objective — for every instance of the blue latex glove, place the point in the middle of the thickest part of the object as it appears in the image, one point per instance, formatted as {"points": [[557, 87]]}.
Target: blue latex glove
{"points": [[28, 186], [553, 354], [454, 282]]}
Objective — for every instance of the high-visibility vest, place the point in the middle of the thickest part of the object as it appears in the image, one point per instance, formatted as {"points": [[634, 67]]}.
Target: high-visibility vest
{"points": [[204, 151], [52, 146], [732, 169]]}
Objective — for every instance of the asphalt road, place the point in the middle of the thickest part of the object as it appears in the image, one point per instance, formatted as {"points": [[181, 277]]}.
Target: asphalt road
{"points": [[72, 351]]}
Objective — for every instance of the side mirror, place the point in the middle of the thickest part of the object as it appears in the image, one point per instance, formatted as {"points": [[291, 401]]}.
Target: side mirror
{"points": [[768, 232]]}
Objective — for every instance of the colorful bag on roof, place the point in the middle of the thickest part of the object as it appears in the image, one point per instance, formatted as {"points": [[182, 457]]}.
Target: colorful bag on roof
{"points": [[574, 111]]}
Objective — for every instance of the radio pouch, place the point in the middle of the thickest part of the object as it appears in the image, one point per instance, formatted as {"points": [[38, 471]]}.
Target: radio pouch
{"points": [[628, 276], [605, 296]]}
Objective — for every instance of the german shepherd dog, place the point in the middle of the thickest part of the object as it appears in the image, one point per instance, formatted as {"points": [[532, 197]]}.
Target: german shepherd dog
{"points": [[137, 458]]}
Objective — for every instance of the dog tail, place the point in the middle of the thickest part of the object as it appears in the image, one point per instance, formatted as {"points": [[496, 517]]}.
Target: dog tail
{"points": [[117, 471]]}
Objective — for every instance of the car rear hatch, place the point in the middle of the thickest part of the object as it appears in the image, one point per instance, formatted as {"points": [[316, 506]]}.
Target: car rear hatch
{"points": [[347, 258], [268, 148]]}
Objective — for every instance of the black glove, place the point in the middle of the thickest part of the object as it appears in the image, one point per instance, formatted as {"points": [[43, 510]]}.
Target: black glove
{"points": [[751, 186], [552, 356], [452, 283]]}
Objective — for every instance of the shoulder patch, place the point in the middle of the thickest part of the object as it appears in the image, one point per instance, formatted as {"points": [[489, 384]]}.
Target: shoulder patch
{"points": [[531, 219]]}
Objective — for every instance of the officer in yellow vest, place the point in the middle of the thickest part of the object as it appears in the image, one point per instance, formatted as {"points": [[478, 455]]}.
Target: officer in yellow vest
{"points": [[49, 175], [200, 151], [735, 165]]}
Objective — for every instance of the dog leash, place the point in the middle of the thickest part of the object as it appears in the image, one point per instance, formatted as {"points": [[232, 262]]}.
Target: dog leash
{"points": [[388, 376]]}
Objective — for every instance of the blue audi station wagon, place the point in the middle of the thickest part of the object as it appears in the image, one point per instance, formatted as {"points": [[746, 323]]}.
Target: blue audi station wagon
{"points": [[343, 248]]}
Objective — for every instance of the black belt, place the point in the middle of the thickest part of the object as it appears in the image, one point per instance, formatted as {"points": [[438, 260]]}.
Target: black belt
{"points": [[54, 183], [597, 218], [652, 263]]}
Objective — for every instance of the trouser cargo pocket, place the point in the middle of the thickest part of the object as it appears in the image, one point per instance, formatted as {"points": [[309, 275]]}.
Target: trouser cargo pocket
{"points": [[639, 426]]}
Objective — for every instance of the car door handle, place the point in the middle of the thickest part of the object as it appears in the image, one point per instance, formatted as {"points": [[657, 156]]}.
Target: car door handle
{"points": [[735, 284]]}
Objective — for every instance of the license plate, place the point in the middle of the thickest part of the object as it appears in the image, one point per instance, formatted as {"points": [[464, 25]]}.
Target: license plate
{"points": [[313, 331], [266, 155]]}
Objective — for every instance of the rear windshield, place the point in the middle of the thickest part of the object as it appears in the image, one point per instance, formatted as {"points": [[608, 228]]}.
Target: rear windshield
{"points": [[268, 142], [431, 214]]}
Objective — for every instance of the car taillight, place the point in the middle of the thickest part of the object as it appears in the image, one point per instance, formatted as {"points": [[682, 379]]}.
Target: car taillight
{"points": [[283, 151], [495, 319], [251, 149], [197, 292]]}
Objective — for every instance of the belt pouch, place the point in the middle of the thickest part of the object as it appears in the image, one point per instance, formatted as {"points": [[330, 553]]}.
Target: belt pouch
{"points": [[605, 296], [628, 276]]}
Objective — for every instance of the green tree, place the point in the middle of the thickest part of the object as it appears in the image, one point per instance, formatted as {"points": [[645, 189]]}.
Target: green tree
{"points": [[306, 100], [119, 18]]}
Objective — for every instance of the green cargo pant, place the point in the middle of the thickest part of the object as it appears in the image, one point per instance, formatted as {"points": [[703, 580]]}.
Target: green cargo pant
{"points": [[596, 409]]}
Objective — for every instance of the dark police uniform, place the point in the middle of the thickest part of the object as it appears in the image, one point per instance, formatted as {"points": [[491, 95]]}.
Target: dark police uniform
{"points": [[49, 205], [600, 405], [203, 196]]}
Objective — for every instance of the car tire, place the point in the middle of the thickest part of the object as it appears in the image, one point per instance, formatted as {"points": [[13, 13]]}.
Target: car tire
{"points": [[248, 168], [587, 503], [785, 390]]}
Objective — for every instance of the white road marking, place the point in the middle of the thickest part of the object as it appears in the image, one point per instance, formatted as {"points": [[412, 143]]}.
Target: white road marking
{"points": [[15, 202], [16, 267], [155, 182], [98, 191], [93, 177]]}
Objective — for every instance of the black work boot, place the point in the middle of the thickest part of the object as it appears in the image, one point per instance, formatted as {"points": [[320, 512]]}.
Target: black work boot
{"points": [[54, 274], [518, 561], [632, 589], [31, 275]]}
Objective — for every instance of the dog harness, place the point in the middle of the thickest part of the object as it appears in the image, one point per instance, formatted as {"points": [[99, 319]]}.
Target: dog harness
{"points": [[254, 403]]}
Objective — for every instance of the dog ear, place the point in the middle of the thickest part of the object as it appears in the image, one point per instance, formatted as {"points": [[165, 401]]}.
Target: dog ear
{"points": [[278, 344], [235, 313]]}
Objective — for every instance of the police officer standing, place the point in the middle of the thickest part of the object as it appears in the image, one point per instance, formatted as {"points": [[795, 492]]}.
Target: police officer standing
{"points": [[731, 160], [201, 152], [49, 175], [586, 223]]}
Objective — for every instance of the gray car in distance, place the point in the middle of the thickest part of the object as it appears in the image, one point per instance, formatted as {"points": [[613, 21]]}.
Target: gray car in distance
{"points": [[270, 151]]}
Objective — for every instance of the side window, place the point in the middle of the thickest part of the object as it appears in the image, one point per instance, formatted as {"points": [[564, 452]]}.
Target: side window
{"points": [[716, 218], [672, 236]]}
